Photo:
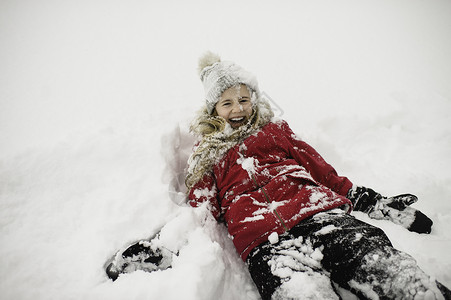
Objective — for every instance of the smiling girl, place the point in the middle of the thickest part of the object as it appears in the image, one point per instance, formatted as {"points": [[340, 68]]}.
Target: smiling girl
{"points": [[286, 209]]}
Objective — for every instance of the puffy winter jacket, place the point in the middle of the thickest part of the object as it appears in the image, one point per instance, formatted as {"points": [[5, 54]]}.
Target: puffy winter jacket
{"points": [[268, 184]]}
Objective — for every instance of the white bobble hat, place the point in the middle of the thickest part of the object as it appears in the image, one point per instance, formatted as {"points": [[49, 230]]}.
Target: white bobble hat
{"points": [[217, 76]]}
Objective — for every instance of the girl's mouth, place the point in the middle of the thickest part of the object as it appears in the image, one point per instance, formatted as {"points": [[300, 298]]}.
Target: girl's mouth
{"points": [[237, 121]]}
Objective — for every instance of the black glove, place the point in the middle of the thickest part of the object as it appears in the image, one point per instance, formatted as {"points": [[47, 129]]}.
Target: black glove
{"points": [[395, 209], [143, 255]]}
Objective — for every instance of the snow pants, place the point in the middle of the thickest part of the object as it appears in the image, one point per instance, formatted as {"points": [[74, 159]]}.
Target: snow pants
{"points": [[331, 251]]}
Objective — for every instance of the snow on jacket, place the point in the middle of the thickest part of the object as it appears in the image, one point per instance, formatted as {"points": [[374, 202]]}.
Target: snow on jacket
{"points": [[269, 183]]}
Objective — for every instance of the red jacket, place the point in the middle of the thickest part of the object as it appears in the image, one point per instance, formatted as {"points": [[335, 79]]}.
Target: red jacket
{"points": [[268, 184]]}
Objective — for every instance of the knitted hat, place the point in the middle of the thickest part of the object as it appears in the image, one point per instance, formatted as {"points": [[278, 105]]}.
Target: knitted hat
{"points": [[217, 76]]}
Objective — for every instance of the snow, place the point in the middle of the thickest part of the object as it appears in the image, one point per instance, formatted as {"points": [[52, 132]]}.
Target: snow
{"points": [[92, 94], [253, 218], [248, 164], [317, 196], [295, 262], [326, 229], [273, 238], [203, 193]]}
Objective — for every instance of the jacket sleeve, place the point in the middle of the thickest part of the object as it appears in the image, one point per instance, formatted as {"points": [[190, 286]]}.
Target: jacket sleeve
{"points": [[320, 170], [205, 190]]}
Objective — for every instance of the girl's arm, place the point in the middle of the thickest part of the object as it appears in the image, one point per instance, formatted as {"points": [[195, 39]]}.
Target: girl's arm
{"points": [[396, 209], [320, 170], [205, 191]]}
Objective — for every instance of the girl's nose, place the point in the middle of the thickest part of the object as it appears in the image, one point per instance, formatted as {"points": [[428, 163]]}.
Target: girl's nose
{"points": [[237, 107]]}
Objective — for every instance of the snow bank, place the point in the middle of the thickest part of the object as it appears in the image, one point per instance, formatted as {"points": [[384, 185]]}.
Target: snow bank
{"points": [[92, 92]]}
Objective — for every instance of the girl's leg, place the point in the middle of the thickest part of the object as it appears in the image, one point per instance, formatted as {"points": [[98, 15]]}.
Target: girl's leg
{"points": [[260, 271], [392, 274], [361, 258], [344, 241], [290, 269], [355, 255]]}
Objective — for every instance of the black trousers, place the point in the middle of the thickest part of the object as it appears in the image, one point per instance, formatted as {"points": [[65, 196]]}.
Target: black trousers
{"points": [[353, 254]]}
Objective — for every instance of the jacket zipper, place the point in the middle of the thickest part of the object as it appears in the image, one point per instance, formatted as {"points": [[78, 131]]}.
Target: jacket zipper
{"points": [[269, 201]]}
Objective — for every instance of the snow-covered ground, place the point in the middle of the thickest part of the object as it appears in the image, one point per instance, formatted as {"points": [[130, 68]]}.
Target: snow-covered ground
{"points": [[92, 93]]}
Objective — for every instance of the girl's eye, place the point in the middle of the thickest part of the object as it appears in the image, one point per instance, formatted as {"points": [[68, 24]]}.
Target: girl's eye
{"points": [[244, 100]]}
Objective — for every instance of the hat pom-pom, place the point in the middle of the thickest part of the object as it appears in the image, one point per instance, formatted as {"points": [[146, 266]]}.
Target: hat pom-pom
{"points": [[206, 60]]}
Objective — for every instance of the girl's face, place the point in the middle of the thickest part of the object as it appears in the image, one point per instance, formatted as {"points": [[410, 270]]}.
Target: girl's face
{"points": [[235, 105]]}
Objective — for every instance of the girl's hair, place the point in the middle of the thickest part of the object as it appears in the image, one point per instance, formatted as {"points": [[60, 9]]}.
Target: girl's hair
{"points": [[216, 137]]}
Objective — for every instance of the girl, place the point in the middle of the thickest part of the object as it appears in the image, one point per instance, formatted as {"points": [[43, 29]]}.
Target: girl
{"points": [[285, 208]]}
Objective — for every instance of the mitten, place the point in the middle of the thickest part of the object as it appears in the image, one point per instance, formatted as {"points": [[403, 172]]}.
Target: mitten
{"points": [[396, 209], [143, 255]]}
